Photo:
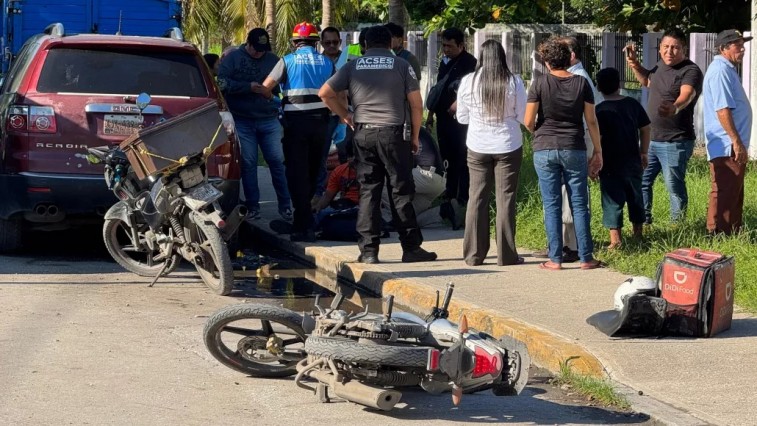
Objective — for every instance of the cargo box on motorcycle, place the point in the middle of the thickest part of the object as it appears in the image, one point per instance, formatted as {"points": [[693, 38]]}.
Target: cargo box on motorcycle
{"points": [[154, 149]]}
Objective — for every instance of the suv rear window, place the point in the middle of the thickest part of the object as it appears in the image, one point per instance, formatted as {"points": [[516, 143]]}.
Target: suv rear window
{"points": [[108, 72]]}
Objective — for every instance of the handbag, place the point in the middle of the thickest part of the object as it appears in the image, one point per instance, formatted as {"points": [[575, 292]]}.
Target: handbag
{"points": [[435, 93]]}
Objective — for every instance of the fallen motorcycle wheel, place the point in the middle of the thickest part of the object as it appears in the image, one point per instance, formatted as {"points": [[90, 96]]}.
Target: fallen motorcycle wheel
{"points": [[346, 350], [135, 258], [242, 337], [215, 267]]}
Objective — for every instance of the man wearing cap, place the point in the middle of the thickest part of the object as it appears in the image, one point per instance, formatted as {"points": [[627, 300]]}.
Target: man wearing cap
{"points": [[300, 75], [675, 84], [727, 127], [256, 118], [381, 86]]}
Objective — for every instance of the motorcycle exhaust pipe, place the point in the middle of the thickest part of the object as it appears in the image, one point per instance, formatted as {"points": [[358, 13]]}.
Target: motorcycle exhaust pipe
{"points": [[52, 210], [359, 393], [41, 210]]}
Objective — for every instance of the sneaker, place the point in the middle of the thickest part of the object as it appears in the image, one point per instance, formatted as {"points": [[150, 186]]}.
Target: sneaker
{"points": [[286, 214], [304, 236], [569, 256], [418, 255], [253, 214], [368, 258]]}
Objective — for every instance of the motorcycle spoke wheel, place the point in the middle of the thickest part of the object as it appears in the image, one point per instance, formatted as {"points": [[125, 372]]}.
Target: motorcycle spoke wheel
{"points": [[214, 265], [127, 252], [238, 336]]}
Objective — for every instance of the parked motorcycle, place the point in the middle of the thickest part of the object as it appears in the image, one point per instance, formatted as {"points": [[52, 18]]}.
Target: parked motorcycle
{"points": [[168, 216], [364, 357]]}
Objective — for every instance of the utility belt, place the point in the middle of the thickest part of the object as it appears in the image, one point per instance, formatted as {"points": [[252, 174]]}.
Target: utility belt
{"points": [[406, 134]]}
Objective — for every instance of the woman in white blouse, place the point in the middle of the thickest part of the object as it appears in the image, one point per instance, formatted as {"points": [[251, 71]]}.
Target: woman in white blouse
{"points": [[492, 101]]}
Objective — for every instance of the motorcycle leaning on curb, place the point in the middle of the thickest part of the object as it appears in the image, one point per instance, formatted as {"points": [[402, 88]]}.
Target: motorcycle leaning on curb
{"points": [[364, 357], [166, 217]]}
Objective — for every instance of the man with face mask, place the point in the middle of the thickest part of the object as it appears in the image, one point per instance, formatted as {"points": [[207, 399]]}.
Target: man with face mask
{"points": [[256, 118]]}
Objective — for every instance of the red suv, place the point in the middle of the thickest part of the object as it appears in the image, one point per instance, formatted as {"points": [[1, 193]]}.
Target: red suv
{"points": [[66, 93]]}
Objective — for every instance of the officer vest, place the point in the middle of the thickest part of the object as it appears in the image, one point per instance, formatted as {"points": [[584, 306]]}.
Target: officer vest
{"points": [[307, 70]]}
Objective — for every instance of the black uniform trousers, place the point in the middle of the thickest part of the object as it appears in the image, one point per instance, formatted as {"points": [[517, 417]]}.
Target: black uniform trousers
{"points": [[382, 153], [452, 135], [304, 137]]}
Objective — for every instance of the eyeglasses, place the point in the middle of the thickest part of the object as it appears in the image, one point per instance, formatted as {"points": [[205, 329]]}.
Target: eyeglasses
{"points": [[331, 43]]}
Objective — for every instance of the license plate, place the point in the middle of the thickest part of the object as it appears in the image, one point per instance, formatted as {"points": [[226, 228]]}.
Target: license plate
{"points": [[202, 195], [121, 125]]}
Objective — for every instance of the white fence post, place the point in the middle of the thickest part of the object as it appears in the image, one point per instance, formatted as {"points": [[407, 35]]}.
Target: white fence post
{"points": [[700, 53], [346, 39], [432, 61], [478, 39], [507, 44]]}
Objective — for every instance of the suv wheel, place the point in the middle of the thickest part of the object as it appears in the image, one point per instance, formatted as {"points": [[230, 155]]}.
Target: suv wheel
{"points": [[10, 235]]}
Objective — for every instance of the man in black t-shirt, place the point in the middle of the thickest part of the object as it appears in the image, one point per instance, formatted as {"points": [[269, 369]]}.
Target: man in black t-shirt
{"points": [[457, 63], [674, 86], [622, 123]]}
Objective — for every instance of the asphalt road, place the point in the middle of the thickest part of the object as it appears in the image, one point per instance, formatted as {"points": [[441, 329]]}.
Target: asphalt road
{"points": [[83, 342]]}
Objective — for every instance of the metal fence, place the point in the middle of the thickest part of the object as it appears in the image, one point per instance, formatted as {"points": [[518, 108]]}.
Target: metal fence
{"points": [[591, 52], [522, 53], [627, 79]]}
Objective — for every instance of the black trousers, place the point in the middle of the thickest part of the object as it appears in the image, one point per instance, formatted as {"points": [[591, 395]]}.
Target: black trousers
{"points": [[451, 135], [304, 137], [382, 153]]}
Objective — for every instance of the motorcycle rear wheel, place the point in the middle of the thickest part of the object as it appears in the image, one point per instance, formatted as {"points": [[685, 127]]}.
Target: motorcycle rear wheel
{"points": [[347, 350], [218, 276], [140, 261], [247, 328]]}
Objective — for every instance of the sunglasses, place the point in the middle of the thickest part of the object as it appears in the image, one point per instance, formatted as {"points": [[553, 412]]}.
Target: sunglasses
{"points": [[331, 43]]}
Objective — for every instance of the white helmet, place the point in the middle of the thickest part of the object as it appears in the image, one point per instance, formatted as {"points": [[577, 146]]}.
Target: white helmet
{"points": [[631, 286]]}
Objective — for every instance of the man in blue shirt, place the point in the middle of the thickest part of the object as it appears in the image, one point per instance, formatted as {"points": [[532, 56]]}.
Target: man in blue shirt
{"points": [[727, 126]]}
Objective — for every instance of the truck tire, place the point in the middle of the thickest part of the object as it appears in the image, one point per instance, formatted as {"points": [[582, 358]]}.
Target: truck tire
{"points": [[217, 324], [347, 350]]}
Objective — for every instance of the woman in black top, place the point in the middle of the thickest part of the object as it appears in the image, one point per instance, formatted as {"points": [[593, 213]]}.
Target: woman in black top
{"points": [[558, 103]]}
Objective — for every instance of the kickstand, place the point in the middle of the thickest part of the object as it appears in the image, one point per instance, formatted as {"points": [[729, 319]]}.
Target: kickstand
{"points": [[160, 273], [322, 393]]}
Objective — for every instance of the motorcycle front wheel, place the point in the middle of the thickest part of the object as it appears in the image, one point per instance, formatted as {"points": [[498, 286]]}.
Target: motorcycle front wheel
{"points": [[250, 338], [134, 256], [348, 350], [215, 267]]}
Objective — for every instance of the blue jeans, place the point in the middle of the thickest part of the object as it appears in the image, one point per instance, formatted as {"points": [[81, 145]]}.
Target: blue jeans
{"points": [[265, 133], [671, 159], [553, 167]]}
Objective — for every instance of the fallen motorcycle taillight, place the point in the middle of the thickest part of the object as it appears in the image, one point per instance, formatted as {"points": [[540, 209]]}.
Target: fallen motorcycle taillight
{"points": [[487, 363]]}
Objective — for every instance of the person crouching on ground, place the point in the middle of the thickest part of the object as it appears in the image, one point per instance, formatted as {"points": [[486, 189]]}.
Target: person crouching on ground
{"points": [[492, 101], [622, 123]]}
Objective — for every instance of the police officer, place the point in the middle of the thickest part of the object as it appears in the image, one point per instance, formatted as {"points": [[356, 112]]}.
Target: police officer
{"points": [[380, 87], [300, 75]]}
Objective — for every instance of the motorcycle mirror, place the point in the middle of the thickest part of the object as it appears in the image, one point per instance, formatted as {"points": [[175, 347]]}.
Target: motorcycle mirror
{"points": [[143, 100]]}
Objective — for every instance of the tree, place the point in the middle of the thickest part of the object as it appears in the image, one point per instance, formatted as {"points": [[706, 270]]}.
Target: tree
{"points": [[326, 14], [270, 21], [397, 12]]}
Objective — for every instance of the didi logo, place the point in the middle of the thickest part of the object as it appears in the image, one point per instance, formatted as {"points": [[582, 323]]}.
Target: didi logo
{"points": [[679, 277]]}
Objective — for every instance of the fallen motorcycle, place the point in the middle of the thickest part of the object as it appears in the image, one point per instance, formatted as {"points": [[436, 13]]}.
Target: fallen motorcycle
{"points": [[168, 214], [364, 357]]}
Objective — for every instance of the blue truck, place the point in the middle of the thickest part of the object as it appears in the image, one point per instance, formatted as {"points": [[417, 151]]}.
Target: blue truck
{"points": [[24, 18]]}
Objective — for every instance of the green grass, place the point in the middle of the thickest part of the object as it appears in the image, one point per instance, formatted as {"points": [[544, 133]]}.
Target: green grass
{"points": [[642, 257], [597, 389]]}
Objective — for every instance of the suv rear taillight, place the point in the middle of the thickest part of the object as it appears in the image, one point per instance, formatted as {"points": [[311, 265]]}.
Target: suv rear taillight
{"points": [[36, 119]]}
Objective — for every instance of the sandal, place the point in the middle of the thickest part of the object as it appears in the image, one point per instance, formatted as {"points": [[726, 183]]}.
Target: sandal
{"points": [[550, 265], [594, 264]]}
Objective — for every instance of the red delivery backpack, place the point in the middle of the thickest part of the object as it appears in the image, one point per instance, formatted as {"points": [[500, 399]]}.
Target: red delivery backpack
{"points": [[698, 286]]}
